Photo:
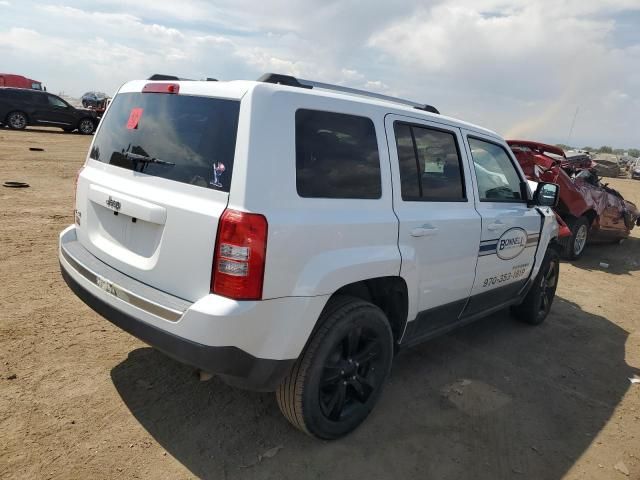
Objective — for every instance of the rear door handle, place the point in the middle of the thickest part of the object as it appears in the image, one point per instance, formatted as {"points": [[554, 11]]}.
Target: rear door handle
{"points": [[425, 230]]}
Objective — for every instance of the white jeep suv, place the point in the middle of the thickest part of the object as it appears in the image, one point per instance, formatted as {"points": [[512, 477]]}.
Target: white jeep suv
{"points": [[292, 236]]}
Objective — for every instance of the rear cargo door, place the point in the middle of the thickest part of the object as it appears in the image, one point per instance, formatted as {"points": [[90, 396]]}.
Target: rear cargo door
{"points": [[156, 182]]}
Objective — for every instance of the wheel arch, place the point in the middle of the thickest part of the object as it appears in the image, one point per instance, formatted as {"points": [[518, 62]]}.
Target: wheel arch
{"points": [[390, 294]]}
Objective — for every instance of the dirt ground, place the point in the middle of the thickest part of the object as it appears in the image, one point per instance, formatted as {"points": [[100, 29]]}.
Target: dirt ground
{"points": [[495, 400]]}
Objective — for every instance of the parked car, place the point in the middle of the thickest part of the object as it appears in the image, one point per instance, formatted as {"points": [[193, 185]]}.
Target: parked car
{"points": [[607, 165], [292, 236], [635, 171], [19, 81], [94, 100], [592, 210], [20, 108]]}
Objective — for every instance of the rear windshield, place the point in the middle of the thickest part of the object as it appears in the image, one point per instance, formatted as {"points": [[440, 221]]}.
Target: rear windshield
{"points": [[178, 137]]}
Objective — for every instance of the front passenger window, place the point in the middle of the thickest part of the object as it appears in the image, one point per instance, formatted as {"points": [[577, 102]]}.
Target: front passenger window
{"points": [[498, 180]]}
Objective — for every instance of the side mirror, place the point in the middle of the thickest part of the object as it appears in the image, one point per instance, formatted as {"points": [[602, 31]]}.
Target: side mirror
{"points": [[546, 195]]}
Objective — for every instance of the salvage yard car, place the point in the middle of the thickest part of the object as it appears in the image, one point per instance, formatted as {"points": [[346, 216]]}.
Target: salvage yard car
{"points": [[607, 165], [21, 107], [593, 211], [292, 236]]}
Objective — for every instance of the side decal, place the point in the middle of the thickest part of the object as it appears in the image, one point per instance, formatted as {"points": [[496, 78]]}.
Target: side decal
{"points": [[512, 243]]}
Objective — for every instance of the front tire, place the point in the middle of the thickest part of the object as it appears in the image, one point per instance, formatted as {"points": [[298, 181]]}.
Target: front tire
{"points": [[573, 247], [536, 305], [17, 120], [86, 126], [340, 375]]}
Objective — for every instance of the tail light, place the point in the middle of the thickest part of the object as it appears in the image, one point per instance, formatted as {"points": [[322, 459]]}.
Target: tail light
{"points": [[238, 261]]}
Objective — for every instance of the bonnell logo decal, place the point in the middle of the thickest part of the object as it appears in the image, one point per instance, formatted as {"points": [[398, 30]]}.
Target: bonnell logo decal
{"points": [[511, 243]]}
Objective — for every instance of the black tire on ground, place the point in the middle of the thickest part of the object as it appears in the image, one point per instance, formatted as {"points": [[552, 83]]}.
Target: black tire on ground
{"points": [[339, 376], [574, 246], [536, 305], [86, 126], [17, 120]]}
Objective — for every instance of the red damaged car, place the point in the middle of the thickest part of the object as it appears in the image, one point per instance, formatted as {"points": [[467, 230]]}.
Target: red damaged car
{"points": [[593, 211]]}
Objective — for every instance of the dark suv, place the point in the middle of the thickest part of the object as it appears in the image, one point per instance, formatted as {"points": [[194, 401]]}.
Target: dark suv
{"points": [[21, 107]]}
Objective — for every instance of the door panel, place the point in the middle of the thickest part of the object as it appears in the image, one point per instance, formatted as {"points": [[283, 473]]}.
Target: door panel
{"points": [[439, 229], [510, 228], [58, 112]]}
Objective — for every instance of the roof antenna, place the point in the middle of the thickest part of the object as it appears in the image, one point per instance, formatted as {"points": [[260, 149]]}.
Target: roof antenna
{"points": [[573, 122]]}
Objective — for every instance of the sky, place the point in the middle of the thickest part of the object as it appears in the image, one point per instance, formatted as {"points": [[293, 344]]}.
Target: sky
{"points": [[522, 68]]}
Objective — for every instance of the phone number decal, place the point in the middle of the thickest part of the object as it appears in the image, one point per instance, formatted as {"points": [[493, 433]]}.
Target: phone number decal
{"points": [[516, 272]]}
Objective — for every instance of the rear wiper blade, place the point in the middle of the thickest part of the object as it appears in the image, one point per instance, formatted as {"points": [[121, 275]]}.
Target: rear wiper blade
{"points": [[145, 159]]}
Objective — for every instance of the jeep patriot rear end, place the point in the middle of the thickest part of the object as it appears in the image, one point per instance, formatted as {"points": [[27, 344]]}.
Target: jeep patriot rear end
{"points": [[291, 238]]}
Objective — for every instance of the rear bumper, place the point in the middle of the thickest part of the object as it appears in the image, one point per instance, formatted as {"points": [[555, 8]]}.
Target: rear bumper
{"points": [[244, 369], [215, 334]]}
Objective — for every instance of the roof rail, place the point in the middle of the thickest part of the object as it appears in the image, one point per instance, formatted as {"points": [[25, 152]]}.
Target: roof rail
{"points": [[282, 80], [301, 83]]}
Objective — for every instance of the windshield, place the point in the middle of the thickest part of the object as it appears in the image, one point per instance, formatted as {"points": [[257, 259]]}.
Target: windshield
{"points": [[193, 137]]}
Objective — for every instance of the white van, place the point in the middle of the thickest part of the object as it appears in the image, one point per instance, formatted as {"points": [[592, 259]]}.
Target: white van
{"points": [[292, 236]]}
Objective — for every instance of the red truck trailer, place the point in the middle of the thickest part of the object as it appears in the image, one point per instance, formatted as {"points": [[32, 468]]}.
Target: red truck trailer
{"points": [[18, 81]]}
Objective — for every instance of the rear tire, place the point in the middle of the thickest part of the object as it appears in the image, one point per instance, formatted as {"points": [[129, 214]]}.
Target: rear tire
{"points": [[340, 375], [573, 247], [17, 120], [536, 305], [86, 126]]}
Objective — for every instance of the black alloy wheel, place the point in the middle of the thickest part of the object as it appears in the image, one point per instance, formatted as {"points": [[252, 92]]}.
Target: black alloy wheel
{"points": [[340, 375], [535, 307], [548, 285], [350, 376]]}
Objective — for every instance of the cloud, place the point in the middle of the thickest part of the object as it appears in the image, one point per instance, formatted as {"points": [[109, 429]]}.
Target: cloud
{"points": [[515, 66], [552, 56]]}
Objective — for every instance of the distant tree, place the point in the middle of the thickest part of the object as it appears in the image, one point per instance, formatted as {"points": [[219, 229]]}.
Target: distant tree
{"points": [[618, 151], [563, 146], [605, 149], [634, 152]]}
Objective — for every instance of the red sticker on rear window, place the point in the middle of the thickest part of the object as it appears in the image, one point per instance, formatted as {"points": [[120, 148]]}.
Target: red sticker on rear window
{"points": [[134, 118]]}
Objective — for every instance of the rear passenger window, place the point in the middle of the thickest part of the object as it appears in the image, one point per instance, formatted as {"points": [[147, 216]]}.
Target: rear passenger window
{"points": [[336, 156], [430, 165]]}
